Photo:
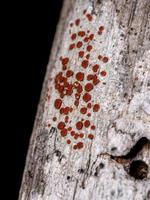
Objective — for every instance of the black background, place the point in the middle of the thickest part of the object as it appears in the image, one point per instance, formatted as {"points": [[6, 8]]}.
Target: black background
{"points": [[29, 33]]}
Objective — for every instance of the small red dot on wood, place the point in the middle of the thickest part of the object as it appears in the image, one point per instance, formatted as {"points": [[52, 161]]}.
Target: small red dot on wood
{"points": [[57, 103], [80, 76], [103, 73], [79, 44], [84, 63], [90, 136], [77, 22], [61, 125], [86, 97], [79, 125], [96, 108]]}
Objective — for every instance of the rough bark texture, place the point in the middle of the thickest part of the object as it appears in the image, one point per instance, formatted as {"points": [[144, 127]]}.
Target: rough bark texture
{"points": [[102, 169]]}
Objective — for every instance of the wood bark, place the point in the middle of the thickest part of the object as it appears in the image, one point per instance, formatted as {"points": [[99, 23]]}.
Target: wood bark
{"points": [[102, 169]]}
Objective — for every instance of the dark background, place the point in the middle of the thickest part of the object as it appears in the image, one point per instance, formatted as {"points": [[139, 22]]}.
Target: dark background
{"points": [[30, 30]]}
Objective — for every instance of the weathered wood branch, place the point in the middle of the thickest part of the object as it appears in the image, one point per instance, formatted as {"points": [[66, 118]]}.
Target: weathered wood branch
{"points": [[91, 137]]}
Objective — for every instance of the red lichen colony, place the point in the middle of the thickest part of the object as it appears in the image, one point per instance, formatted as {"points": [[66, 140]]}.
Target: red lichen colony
{"points": [[78, 85]]}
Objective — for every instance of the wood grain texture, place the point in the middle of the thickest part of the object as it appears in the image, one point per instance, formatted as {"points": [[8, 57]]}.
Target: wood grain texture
{"points": [[54, 170]]}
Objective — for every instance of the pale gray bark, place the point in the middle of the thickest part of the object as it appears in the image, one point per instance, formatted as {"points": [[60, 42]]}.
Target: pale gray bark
{"points": [[54, 171]]}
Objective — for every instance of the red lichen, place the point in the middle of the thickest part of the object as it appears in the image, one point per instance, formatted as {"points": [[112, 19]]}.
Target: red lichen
{"points": [[61, 125], [81, 33], [91, 136], [73, 36], [77, 22], [81, 54], [103, 73], [79, 125], [86, 97], [84, 63], [89, 48], [80, 76], [87, 123], [95, 68], [79, 44], [96, 108], [83, 110], [57, 103], [88, 87]]}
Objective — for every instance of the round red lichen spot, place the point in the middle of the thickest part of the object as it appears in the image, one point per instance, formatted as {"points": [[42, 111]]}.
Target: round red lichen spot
{"points": [[93, 127], [89, 48], [87, 123], [80, 76], [89, 17], [66, 110], [95, 80], [83, 110], [64, 67], [91, 36], [86, 97], [57, 103], [76, 136], [72, 46], [101, 28], [103, 73], [68, 141], [89, 114], [81, 54], [81, 33], [73, 36], [95, 68], [77, 22], [90, 77], [86, 39], [96, 108], [105, 59], [88, 87], [77, 96], [66, 119], [69, 73], [89, 105], [80, 145], [63, 132], [75, 147], [91, 136], [65, 61], [100, 57], [54, 119], [84, 63], [61, 125], [76, 102], [79, 44], [79, 89], [79, 125], [72, 133], [81, 135]]}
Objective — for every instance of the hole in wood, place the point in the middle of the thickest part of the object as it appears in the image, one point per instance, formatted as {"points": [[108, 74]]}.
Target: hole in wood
{"points": [[138, 169]]}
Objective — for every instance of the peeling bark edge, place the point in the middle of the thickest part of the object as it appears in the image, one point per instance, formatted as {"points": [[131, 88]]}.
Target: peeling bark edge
{"points": [[67, 5]]}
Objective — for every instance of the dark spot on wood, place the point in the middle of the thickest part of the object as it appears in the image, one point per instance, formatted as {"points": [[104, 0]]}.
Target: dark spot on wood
{"points": [[125, 95], [112, 193], [138, 169], [148, 194], [68, 177], [113, 149], [101, 165], [81, 171], [58, 153]]}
